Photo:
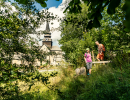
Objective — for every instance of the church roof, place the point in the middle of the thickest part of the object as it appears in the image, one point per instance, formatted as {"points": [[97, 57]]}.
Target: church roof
{"points": [[55, 48], [45, 45]]}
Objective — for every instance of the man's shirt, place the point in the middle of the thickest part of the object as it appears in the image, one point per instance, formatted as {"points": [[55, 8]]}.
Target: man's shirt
{"points": [[101, 48]]}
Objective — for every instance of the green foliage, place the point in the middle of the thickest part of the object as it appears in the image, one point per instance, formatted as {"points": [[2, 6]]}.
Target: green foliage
{"points": [[9, 76], [31, 2], [75, 39], [96, 7], [15, 29], [106, 82], [112, 31], [30, 78]]}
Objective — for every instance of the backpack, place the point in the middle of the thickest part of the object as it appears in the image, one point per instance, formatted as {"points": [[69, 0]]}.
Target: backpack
{"points": [[102, 47], [86, 54]]}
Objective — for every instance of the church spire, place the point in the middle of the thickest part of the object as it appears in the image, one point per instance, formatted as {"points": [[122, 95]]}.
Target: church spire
{"points": [[47, 27], [47, 36]]}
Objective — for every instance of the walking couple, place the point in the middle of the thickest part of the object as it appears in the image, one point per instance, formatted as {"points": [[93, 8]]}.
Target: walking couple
{"points": [[87, 56]]}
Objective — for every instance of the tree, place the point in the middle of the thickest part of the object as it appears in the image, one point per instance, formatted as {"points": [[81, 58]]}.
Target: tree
{"points": [[75, 39], [15, 28], [96, 7], [75, 36]]}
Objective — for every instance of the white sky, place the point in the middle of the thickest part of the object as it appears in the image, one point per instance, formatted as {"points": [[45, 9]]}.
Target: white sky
{"points": [[55, 35]]}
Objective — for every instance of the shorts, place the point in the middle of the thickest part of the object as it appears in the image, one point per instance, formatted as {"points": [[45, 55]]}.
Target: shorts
{"points": [[100, 56], [89, 65]]}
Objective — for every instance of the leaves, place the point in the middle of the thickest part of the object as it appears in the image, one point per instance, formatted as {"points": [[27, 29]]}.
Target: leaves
{"points": [[74, 39], [96, 8], [111, 7], [110, 31], [22, 1], [15, 42], [96, 23], [30, 2], [126, 8]]}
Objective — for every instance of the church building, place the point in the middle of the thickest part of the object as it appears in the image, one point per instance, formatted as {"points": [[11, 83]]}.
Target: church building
{"points": [[47, 46]]}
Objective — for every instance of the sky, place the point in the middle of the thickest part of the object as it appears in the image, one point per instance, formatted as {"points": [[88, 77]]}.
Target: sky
{"points": [[54, 7], [50, 3]]}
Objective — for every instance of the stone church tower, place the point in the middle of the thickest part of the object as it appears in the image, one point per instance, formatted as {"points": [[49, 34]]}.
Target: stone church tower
{"points": [[47, 37], [46, 47]]}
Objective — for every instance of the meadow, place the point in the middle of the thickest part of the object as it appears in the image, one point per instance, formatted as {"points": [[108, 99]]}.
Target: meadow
{"points": [[110, 82]]}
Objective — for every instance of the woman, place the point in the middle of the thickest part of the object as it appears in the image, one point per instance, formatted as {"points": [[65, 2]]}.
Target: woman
{"points": [[88, 61]]}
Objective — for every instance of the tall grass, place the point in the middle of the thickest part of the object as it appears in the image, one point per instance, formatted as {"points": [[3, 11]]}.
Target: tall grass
{"points": [[110, 82], [107, 82]]}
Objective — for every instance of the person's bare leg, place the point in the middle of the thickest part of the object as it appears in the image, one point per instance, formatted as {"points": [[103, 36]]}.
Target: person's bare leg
{"points": [[98, 56], [89, 71], [98, 59]]}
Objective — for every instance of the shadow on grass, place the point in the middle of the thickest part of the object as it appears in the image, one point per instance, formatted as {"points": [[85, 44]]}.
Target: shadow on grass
{"points": [[49, 95], [105, 83]]}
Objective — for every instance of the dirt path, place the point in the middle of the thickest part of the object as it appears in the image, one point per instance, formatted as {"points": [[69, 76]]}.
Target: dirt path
{"points": [[48, 70]]}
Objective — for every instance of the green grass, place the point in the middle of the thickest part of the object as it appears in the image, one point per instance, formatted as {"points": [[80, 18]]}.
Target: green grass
{"points": [[107, 82], [104, 83]]}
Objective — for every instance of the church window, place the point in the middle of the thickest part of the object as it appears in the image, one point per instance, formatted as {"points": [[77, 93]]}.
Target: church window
{"points": [[47, 39]]}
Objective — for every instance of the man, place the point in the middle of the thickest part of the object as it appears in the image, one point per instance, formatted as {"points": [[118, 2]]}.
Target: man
{"points": [[101, 50]]}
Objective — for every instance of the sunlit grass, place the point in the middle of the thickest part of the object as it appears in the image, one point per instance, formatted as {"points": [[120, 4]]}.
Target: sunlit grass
{"points": [[105, 81]]}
